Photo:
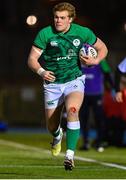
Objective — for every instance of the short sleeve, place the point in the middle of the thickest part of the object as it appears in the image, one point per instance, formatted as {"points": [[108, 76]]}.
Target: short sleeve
{"points": [[39, 40]]}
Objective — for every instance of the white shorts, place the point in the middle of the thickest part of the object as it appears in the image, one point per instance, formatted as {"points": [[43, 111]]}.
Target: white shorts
{"points": [[55, 93]]}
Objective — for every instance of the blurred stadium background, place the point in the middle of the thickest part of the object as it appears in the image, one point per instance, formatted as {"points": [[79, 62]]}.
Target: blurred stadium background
{"points": [[21, 100]]}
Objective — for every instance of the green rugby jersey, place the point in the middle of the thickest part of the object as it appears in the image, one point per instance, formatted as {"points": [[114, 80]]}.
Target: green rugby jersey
{"points": [[61, 50]]}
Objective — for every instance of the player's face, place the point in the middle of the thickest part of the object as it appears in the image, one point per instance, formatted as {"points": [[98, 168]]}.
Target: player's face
{"points": [[62, 21]]}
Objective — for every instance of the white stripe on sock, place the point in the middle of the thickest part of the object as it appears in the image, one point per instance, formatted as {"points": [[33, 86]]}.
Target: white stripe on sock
{"points": [[73, 125]]}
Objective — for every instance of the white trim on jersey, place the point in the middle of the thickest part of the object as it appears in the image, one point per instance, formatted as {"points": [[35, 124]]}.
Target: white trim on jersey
{"points": [[36, 50]]}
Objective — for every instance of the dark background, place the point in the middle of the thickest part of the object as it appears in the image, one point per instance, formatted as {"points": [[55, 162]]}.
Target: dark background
{"points": [[107, 18]]}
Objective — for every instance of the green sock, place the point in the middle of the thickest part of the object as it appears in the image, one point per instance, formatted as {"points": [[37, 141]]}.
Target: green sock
{"points": [[72, 136]]}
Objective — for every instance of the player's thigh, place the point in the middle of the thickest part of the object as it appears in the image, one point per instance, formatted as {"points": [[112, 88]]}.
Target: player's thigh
{"points": [[74, 100], [53, 96], [53, 115], [74, 93]]}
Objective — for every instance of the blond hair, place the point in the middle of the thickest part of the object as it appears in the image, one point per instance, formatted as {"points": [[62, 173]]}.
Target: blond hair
{"points": [[65, 6]]}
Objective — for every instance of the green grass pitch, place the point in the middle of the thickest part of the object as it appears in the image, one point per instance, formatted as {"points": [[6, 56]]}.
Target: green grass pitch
{"points": [[27, 156]]}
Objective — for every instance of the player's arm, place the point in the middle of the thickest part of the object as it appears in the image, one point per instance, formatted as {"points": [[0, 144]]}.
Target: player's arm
{"points": [[33, 57], [119, 95], [101, 50], [35, 66], [108, 75]]}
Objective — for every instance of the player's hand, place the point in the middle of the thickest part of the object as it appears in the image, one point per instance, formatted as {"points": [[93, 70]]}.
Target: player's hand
{"points": [[119, 97], [48, 76], [88, 60]]}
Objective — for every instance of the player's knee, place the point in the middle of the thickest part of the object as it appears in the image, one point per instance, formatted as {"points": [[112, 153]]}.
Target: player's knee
{"points": [[73, 112]]}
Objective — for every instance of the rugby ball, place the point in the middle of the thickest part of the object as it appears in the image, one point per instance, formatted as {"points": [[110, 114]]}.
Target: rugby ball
{"points": [[88, 50]]}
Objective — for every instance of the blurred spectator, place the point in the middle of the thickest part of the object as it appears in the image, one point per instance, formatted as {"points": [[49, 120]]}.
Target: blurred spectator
{"points": [[114, 124], [116, 110], [94, 90], [121, 87], [121, 81]]}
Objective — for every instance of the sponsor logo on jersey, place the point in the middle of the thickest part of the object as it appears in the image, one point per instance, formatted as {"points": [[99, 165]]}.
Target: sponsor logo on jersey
{"points": [[64, 57], [76, 42], [69, 56], [54, 43], [71, 52]]}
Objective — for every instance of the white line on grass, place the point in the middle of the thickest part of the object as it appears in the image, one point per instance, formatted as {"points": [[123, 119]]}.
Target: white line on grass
{"points": [[27, 147]]}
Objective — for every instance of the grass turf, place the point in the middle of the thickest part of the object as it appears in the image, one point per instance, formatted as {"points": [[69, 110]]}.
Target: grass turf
{"points": [[27, 156]]}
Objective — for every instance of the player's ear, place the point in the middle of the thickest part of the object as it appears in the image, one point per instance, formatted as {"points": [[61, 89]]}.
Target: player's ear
{"points": [[71, 19]]}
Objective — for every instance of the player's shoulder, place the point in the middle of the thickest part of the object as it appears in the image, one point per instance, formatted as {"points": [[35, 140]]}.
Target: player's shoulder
{"points": [[46, 32], [45, 29], [80, 27]]}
